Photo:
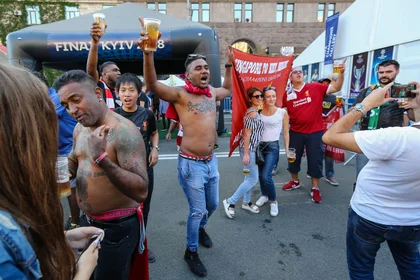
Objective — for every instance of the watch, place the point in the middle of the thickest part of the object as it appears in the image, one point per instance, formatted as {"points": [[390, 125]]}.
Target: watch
{"points": [[361, 108], [156, 147], [227, 65]]}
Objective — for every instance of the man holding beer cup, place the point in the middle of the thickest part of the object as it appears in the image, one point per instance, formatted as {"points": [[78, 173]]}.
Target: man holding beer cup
{"points": [[195, 105], [304, 105]]}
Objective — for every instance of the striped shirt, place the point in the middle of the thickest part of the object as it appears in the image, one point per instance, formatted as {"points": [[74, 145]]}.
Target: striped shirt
{"points": [[256, 126]]}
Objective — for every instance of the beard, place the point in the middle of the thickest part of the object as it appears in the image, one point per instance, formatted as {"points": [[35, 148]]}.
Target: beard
{"points": [[386, 81]]}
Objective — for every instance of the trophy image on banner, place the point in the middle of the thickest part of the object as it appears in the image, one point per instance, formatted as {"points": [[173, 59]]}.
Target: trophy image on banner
{"points": [[358, 73], [287, 50]]}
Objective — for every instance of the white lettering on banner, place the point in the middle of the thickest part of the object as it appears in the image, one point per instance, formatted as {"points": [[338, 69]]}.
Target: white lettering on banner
{"points": [[106, 45], [331, 43]]}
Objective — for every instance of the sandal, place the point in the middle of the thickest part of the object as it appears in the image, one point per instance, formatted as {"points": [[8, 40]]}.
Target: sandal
{"points": [[251, 207], [229, 209]]}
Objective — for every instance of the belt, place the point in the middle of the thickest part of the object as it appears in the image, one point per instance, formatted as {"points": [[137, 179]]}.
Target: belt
{"points": [[194, 157], [110, 223]]}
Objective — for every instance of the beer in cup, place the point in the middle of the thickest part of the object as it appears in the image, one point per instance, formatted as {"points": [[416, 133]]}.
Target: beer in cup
{"points": [[100, 19], [62, 174], [245, 171], [336, 68], [291, 155], [402, 102], [151, 25]]}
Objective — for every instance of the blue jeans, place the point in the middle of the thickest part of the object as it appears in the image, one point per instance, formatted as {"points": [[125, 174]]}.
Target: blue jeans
{"points": [[364, 239], [329, 167], [271, 154], [200, 182], [249, 182]]}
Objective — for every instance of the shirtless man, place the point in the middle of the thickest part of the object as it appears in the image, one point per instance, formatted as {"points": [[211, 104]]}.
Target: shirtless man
{"points": [[197, 165], [108, 159]]}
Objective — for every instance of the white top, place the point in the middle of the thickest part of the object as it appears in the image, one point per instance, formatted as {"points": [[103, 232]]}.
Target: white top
{"points": [[388, 187], [273, 125]]}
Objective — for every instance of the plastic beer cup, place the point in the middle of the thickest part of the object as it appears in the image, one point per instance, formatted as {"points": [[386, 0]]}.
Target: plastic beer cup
{"points": [[291, 155], [100, 19], [151, 25], [62, 174]]}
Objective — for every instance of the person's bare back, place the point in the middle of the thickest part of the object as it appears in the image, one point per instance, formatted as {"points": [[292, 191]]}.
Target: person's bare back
{"points": [[95, 191]]}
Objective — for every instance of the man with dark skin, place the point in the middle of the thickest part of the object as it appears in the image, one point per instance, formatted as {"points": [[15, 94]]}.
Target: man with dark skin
{"points": [[108, 159], [109, 71], [197, 166]]}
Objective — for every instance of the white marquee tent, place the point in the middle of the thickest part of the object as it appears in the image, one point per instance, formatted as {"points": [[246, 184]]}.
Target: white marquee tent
{"points": [[369, 25]]}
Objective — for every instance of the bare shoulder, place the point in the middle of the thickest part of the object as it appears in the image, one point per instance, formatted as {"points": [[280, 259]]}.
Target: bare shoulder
{"points": [[252, 114], [122, 128]]}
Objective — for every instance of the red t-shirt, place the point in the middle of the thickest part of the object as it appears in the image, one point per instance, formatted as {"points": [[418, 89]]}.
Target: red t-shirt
{"points": [[305, 111]]}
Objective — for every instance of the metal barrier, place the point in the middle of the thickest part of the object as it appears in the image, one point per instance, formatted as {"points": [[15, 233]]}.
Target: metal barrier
{"points": [[227, 105]]}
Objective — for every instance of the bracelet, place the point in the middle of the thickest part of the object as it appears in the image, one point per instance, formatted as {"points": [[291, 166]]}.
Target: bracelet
{"points": [[100, 158], [227, 65]]}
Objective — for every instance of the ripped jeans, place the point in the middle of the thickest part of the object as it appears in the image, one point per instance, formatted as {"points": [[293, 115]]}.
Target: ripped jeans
{"points": [[200, 182]]}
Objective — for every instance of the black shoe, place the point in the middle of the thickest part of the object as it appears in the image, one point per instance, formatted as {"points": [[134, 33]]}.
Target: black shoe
{"points": [[151, 256], [204, 239], [195, 264]]}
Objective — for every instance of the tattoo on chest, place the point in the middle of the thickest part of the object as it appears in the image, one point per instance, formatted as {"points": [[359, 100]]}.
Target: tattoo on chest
{"points": [[204, 106], [111, 135], [82, 187]]}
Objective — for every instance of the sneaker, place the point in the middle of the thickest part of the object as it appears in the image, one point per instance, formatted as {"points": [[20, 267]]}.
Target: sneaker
{"points": [[151, 256], [316, 195], [261, 201], [229, 209], [274, 209], [331, 180], [251, 207], [274, 171], [204, 239], [291, 185], [309, 177], [195, 264]]}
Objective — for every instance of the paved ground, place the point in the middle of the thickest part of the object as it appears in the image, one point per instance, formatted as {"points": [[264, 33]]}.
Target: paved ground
{"points": [[306, 240]]}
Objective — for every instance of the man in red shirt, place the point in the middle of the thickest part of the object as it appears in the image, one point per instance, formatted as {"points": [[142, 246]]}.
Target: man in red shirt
{"points": [[304, 105]]}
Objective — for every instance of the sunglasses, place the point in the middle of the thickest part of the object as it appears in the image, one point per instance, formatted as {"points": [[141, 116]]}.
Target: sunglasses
{"points": [[297, 72], [257, 96], [196, 56], [269, 88]]}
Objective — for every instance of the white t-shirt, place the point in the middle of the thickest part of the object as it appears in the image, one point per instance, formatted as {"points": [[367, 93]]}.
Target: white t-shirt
{"points": [[388, 187], [272, 125]]}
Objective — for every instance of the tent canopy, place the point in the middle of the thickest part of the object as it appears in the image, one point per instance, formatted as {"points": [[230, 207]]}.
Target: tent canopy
{"points": [[65, 44], [366, 26]]}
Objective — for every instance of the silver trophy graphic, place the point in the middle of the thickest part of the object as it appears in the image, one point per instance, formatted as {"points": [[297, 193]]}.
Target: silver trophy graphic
{"points": [[358, 73], [287, 50]]}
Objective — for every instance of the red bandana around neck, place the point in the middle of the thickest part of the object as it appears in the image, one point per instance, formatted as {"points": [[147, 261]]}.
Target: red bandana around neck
{"points": [[196, 90], [190, 88]]}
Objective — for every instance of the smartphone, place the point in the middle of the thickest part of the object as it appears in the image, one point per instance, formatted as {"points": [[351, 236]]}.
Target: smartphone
{"points": [[405, 91]]}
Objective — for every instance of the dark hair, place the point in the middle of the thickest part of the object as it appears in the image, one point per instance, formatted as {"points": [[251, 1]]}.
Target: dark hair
{"points": [[388, 63], [251, 91], [192, 57], [129, 78], [73, 76], [105, 64], [28, 152]]}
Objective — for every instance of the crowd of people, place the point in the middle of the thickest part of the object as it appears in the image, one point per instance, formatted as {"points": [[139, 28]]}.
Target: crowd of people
{"points": [[114, 146]]}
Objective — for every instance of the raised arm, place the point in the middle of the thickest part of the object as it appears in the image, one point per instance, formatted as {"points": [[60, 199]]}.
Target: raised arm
{"points": [[337, 84], [170, 94], [226, 88], [92, 63], [131, 176]]}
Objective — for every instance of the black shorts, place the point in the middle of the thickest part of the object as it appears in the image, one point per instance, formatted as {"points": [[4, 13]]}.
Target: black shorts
{"points": [[314, 154]]}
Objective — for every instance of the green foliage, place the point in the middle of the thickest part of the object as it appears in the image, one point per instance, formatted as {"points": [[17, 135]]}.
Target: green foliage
{"points": [[51, 74], [50, 11]]}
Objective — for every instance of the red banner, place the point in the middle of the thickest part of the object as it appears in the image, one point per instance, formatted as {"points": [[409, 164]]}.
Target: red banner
{"points": [[255, 71], [329, 119]]}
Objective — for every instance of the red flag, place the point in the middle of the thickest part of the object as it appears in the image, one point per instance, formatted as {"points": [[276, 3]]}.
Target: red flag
{"points": [[334, 115], [255, 71]]}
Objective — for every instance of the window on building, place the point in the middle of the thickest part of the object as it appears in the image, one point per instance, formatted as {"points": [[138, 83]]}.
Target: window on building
{"points": [[151, 6], [194, 12], [205, 12], [33, 15], [331, 10], [248, 12], [107, 6], [162, 8], [321, 13], [71, 12], [237, 12], [290, 12], [280, 12]]}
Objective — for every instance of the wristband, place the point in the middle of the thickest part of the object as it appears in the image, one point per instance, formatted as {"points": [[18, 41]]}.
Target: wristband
{"points": [[227, 65], [100, 158]]}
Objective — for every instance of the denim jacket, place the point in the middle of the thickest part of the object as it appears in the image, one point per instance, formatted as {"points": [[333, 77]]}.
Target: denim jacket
{"points": [[17, 258]]}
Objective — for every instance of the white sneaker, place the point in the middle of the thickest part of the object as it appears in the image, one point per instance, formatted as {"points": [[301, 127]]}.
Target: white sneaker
{"points": [[229, 211], [274, 209], [261, 201]]}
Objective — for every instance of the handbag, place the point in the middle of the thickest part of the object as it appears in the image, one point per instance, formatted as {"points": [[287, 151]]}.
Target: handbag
{"points": [[259, 156]]}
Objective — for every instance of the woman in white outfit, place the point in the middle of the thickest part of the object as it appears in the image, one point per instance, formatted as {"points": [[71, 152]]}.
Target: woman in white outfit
{"points": [[274, 119]]}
